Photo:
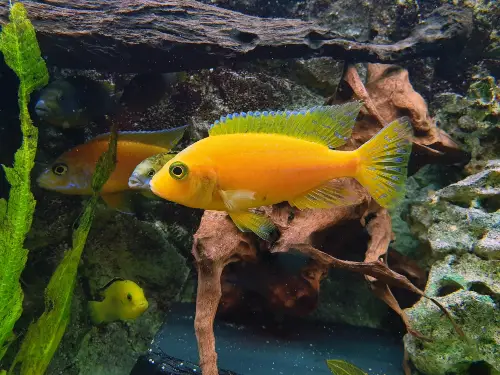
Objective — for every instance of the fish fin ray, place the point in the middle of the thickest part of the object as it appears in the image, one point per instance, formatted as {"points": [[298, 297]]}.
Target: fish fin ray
{"points": [[384, 162], [119, 201], [235, 199], [331, 194], [328, 125], [95, 312], [166, 139], [247, 221]]}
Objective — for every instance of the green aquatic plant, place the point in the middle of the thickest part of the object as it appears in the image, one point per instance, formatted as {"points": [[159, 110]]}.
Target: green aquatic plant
{"points": [[44, 336], [341, 367], [20, 49]]}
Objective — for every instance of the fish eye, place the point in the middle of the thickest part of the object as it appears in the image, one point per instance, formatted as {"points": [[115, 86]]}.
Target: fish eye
{"points": [[151, 172], [60, 169], [178, 170], [129, 297]]}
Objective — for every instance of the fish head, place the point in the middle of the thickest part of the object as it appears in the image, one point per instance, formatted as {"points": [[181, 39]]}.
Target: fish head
{"points": [[58, 105], [132, 299], [141, 176], [187, 179], [144, 172], [66, 175]]}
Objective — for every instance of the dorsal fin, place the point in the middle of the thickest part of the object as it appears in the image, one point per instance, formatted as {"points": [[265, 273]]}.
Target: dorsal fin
{"points": [[328, 125], [167, 138]]}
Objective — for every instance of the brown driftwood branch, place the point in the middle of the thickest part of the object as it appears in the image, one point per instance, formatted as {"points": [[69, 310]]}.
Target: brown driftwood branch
{"points": [[387, 93], [176, 35]]}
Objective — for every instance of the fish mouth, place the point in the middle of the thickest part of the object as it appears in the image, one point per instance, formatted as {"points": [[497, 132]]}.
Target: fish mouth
{"points": [[143, 306], [42, 181], [41, 108], [137, 184]]}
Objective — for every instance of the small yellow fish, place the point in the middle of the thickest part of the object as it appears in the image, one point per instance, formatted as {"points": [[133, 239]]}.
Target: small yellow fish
{"points": [[72, 172], [144, 172], [256, 159], [123, 300]]}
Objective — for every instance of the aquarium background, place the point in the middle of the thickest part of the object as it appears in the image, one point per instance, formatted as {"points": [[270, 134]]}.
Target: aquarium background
{"points": [[446, 230]]}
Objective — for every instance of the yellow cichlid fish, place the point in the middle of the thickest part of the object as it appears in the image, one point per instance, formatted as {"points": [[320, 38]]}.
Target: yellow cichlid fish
{"points": [[144, 172], [123, 300], [72, 172], [263, 158]]}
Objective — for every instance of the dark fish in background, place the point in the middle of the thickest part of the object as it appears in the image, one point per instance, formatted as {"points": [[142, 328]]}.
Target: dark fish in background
{"points": [[147, 89], [75, 101]]}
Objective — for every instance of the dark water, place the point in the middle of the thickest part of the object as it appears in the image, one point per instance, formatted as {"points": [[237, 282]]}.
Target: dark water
{"points": [[250, 349]]}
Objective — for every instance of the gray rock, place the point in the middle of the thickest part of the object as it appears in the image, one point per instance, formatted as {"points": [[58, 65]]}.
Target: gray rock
{"points": [[469, 287], [461, 218]]}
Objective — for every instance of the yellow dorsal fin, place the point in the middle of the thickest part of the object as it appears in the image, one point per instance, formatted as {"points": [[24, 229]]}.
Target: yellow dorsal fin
{"points": [[167, 138], [327, 125]]}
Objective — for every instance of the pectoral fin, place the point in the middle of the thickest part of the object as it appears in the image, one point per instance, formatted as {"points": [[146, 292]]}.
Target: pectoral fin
{"points": [[119, 201], [331, 194], [236, 200], [247, 221]]}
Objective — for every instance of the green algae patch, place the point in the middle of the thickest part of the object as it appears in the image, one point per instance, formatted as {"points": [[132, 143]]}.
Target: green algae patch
{"points": [[44, 336], [20, 49]]}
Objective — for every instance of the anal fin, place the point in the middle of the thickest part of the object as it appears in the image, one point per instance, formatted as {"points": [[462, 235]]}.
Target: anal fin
{"points": [[331, 194], [247, 221], [119, 201]]}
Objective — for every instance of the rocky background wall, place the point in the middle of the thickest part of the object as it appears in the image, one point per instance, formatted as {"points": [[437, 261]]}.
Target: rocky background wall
{"points": [[448, 227]]}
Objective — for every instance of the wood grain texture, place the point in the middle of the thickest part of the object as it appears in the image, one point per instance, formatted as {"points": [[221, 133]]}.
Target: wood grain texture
{"points": [[176, 35]]}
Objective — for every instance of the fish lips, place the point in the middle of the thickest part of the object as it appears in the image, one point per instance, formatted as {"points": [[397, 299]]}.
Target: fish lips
{"points": [[137, 183], [43, 180], [41, 108]]}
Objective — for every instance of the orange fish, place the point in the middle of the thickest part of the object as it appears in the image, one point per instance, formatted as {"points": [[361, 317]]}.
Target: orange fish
{"points": [[256, 159], [72, 172]]}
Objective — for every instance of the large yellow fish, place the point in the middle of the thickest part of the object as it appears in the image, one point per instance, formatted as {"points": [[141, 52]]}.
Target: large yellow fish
{"points": [[72, 172], [123, 300], [256, 159]]}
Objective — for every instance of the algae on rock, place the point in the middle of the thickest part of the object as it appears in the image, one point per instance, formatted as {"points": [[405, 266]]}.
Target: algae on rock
{"points": [[469, 287], [21, 53], [463, 217], [474, 119]]}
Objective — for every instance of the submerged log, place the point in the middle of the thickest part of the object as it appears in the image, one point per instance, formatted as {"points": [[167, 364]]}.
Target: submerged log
{"points": [[176, 35]]}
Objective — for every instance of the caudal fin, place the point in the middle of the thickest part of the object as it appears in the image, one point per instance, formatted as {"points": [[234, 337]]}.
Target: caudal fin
{"points": [[384, 162], [96, 313]]}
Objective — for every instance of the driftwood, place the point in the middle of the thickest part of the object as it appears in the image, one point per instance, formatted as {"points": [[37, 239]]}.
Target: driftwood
{"points": [[388, 95], [315, 232], [177, 35]]}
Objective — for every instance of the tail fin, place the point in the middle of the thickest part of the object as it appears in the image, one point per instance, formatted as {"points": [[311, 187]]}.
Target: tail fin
{"points": [[384, 162], [96, 314]]}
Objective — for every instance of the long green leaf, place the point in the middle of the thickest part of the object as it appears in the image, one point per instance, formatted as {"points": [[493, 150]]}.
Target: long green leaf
{"points": [[20, 49], [340, 367], [44, 336]]}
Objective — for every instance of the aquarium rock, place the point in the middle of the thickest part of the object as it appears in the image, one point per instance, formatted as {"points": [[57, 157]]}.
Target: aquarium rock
{"points": [[473, 119], [469, 287], [461, 218]]}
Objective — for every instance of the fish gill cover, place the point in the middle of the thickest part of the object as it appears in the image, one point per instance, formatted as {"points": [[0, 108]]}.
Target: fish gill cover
{"points": [[21, 53]]}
